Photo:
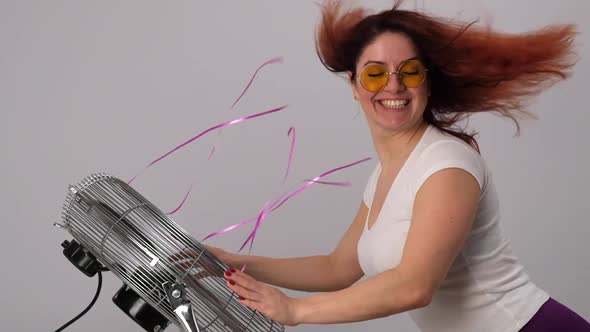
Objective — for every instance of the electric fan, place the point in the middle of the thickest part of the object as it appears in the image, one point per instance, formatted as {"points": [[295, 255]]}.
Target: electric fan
{"points": [[168, 276]]}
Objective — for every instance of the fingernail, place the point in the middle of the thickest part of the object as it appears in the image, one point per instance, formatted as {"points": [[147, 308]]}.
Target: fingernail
{"points": [[241, 298], [231, 282], [232, 270], [227, 273]]}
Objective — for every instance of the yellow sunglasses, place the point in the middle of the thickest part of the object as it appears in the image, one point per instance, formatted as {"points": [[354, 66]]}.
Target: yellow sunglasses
{"points": [[411, 73]]}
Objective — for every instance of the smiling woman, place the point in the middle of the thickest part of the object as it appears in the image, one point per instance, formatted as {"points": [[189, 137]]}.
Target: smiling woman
{"points": [[397, 104], [471, 69], [427, 233]]}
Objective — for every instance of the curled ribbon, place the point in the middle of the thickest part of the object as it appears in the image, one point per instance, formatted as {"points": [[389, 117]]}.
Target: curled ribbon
{"points": [[269, 207], [271, 61], [291, 150], [214, 147], [221, 125]]}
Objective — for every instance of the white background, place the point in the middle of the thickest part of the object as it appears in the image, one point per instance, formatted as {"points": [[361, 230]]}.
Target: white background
{"points": [[108, 86]]}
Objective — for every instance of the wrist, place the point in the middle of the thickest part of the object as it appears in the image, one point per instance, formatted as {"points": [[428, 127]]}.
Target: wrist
{"points": [[231, 259], [298, 308]]}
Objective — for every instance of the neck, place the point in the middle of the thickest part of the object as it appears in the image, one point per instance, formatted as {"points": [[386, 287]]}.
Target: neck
{"points": [[394, 148]]}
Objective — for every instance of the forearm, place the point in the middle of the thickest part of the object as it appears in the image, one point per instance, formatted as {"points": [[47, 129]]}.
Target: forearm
{"points": [[383, 295], [310, 274]]}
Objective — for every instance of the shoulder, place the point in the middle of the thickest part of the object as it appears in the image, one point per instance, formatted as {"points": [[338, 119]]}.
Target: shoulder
{"points": [[441, 151]]}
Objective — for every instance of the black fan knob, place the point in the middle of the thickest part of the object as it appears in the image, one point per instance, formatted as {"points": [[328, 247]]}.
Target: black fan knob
{"points": [[81, 258]]}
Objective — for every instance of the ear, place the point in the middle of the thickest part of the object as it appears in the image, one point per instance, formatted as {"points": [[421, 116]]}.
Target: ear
{"points": [[353, 84]]}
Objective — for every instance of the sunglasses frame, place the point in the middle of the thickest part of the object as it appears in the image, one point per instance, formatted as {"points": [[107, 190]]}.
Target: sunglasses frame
{"points": [[397, 74]]}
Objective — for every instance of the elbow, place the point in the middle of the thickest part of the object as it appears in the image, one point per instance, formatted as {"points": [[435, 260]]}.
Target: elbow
{"points": [[421, 298], [416, 292], [406, 301], [415, 298]]}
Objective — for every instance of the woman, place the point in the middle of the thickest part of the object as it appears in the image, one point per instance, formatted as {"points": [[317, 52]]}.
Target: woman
{"points": [[427, 232]]}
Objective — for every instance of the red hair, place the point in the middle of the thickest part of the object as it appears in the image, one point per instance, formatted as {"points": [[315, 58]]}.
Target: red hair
{"points": [[471, 69]]}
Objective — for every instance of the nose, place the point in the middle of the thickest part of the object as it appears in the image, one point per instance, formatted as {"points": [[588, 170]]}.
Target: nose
{"points": [[394, 84]]}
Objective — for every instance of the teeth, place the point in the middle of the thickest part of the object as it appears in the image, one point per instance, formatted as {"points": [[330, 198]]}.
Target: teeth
{"points": [[398, 103]]}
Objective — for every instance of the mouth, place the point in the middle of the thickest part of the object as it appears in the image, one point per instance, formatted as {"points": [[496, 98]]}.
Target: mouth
{"points": [[394, 104]]}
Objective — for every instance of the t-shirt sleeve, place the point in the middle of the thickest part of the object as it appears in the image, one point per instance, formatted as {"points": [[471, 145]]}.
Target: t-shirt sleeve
{"points": [[451, 154], [371, 186]]}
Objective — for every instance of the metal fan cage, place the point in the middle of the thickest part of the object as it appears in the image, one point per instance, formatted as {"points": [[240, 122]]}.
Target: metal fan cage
{"points": [[146, 249]]}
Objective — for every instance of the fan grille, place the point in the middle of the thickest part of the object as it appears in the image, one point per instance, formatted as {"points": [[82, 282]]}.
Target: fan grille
{"points": [[145, 249]]}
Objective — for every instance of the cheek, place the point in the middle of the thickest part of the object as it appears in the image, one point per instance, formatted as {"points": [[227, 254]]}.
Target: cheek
{"points": [[421, 96], [366, 100], [362, 95]]}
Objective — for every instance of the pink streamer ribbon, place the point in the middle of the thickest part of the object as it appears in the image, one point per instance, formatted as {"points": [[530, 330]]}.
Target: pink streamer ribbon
{"points": [[182, 202], [291, 150], [268, 208], [271, 61], [221, 125], [214, 147]]}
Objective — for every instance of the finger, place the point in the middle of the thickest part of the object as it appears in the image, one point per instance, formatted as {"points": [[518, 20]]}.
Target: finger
{"points": [[243, 293], [232, 275], [250, 304], [243, 279], [244, 275]]}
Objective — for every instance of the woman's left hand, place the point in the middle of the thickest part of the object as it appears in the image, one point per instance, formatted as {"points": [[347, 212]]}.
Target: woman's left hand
{"points": [[266, 299]]}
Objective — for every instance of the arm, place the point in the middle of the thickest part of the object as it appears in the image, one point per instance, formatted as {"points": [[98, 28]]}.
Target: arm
{"points": [[444, 210], [319, 273]]}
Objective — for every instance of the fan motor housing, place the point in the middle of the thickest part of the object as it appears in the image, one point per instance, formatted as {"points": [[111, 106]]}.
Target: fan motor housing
{"points": [[139, 310], [81, 258]]}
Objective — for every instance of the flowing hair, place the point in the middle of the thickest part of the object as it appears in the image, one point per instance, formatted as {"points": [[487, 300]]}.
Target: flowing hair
{"points": [[471, 69]]}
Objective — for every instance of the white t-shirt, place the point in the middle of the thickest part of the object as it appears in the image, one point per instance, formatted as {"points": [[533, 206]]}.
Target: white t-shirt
{"points": [[486, 288]]}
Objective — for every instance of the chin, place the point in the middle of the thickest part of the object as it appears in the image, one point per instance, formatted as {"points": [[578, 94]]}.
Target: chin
{"points": [[396, 124], [395, 121]]}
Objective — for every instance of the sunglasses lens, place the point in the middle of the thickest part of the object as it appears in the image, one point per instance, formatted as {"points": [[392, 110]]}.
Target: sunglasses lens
{"points": [[374, 77], [412, 73]]}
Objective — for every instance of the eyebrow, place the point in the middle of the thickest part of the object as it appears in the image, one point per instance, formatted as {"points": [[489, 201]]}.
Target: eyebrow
{"points": [[383, 63]]}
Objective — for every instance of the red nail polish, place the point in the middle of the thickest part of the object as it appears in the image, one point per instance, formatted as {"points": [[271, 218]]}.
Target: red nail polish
{"points": [[241, 298], [227, 273], [232, 270], [231, 282]]}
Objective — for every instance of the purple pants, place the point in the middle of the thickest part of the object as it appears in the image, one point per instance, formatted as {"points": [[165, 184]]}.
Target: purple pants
{"points": [[555, 317]]}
